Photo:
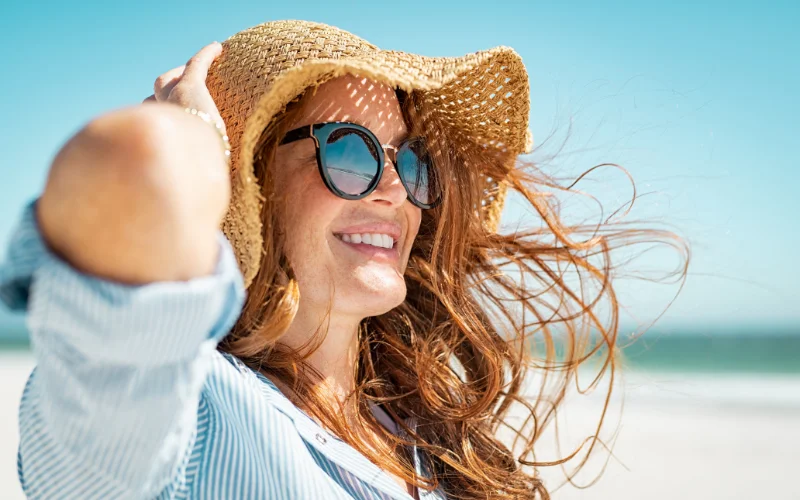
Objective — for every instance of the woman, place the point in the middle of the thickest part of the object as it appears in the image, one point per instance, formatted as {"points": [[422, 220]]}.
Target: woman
{"points": [[379, 345]]}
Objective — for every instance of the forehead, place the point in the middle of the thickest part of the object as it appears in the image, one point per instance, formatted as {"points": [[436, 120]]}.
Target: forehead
{"points": [[359, 100]]}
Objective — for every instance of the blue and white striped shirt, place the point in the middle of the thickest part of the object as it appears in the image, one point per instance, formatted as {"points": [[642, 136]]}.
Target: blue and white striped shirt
{"points": [[131, 399]]}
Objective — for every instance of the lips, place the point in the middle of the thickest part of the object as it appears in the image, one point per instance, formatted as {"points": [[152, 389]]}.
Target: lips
{"points": [[368, 249], [380, 240]]}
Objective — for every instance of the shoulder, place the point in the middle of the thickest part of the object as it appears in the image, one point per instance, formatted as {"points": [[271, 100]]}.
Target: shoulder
{"points": [[242, 393], [243, 418], [230, 380]]}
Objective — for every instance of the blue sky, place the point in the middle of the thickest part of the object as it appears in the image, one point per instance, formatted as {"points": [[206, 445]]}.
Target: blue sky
{"points": [[698, 100]]}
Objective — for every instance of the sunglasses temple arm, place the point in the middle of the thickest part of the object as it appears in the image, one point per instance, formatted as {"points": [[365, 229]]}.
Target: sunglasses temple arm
{"points": [[298, 134]]}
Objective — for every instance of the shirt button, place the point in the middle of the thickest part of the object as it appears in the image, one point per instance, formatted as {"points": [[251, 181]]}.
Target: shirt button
{"points": [[321, 438]]}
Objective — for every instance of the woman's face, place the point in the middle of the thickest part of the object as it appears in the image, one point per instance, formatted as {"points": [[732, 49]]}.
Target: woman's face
{"points": [[363, 280]]}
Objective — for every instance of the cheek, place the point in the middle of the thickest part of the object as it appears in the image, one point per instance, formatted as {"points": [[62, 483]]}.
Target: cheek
{"points": [[310, 210], [297, 185], [414, 217]]}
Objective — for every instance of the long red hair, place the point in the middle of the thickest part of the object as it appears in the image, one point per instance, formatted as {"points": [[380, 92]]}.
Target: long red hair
{"points": [[482, 311]]}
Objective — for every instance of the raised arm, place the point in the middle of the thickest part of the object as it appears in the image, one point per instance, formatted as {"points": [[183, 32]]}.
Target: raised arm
{"points": [[138, 195], [129, 285]]}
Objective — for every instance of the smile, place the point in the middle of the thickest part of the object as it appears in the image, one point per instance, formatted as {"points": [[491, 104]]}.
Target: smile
{"points": [[379, 240], [371, 244]]}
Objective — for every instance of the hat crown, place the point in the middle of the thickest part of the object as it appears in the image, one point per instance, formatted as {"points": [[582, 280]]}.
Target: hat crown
{"points": [[280, 45]]}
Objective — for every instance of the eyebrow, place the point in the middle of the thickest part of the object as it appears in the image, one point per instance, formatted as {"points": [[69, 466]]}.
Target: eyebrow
{"points": [[396, 140], [304, 131]]}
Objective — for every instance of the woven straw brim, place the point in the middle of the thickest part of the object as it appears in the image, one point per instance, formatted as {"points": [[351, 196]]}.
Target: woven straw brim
{"points": [[483, 97]]}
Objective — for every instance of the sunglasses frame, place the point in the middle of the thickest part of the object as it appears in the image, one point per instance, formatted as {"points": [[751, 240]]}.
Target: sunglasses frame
{"points": [[320, 132]]}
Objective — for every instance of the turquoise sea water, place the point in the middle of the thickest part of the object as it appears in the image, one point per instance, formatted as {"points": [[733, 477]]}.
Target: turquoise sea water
{"points": [[773, 351], [776, 353]]}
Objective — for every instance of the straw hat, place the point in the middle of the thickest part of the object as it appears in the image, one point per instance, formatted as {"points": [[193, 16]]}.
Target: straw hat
{"points": [[483, 96]]}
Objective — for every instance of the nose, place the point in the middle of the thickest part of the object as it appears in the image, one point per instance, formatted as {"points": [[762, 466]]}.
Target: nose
{"points": [[390, 190]]}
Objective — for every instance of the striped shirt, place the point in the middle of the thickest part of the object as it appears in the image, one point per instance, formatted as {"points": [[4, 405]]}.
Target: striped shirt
{"points": [[131, 399]]}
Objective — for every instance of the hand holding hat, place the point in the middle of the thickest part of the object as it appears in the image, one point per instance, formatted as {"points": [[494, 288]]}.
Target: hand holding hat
{"points": [[111, 204], [186, 85]]}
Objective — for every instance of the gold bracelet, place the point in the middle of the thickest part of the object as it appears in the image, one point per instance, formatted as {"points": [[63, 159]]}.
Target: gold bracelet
{"points": [[217, 126]]}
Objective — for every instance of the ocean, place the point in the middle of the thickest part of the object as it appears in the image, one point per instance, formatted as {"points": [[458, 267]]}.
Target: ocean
{"points": [[773, 350], [742, 352]]}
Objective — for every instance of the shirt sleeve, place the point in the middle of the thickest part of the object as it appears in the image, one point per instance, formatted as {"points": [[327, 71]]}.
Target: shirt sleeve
{"points": [[110, 409]]}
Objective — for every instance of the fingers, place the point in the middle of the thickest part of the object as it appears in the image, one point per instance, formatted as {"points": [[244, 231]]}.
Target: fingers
{"points": [[166, 82], [197, 68], [186, 85]]}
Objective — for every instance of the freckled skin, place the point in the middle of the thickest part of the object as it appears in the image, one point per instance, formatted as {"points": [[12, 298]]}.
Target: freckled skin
{"points": [[329, 272], [363, 287]]}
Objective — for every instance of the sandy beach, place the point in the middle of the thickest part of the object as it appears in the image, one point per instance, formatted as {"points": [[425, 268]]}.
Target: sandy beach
{"points": [[681, 436], [694, 437]]}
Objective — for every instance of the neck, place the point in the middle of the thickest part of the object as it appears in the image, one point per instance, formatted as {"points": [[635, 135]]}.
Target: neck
{"points": [[335, 357]]}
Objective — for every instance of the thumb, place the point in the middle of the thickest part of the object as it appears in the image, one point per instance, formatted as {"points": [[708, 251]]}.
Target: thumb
{"points": [[197, 67]]}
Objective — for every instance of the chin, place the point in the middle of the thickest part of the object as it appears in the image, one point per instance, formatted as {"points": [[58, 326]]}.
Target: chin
{"points": [[374, 301]]}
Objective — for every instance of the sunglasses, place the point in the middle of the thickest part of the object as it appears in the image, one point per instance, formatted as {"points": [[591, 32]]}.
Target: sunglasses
{"points": [[351, 161]]}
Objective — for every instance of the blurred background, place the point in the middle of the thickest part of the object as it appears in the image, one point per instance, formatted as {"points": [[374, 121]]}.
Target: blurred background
{"points": [[696, 100]]}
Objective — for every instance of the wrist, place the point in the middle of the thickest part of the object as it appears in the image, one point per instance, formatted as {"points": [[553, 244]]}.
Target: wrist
{"points": [[217, 125]]}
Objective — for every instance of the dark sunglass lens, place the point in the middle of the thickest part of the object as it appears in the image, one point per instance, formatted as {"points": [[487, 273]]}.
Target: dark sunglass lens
{"points": [[417, 172], [351, 160]]}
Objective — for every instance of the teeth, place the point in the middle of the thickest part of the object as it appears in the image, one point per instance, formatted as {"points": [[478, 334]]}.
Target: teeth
{"points": [[374, 239]]}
